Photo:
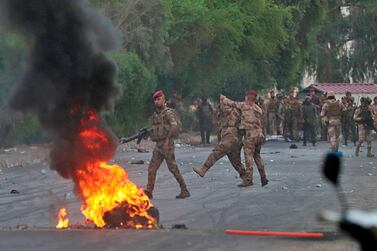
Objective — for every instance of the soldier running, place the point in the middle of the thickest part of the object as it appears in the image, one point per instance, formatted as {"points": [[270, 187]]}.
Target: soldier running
{"points": [[229, 141], [272, 110], [331, 114], [252, 130], [164, 129]]}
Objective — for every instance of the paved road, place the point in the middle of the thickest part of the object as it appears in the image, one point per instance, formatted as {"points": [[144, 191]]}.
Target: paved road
{"points": [[289, 203]]}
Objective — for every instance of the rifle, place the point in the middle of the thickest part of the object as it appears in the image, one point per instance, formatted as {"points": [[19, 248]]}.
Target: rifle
{"points": [[143, 132], [367, 120]]}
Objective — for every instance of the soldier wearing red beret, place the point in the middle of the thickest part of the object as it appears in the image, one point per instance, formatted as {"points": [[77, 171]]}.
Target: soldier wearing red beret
{"points": [[164, 129], [251, 126]]}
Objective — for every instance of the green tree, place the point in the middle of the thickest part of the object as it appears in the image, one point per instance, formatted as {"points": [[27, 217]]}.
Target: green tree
{"points": [[137, 83]]}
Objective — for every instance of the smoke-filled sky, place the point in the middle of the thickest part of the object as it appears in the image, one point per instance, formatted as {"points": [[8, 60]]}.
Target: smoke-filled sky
{"points": [[66, 64]]}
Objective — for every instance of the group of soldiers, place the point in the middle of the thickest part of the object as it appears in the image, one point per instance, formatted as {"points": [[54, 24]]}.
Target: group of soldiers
{"points": [[287, 115], [245, 125], [240, 124]]}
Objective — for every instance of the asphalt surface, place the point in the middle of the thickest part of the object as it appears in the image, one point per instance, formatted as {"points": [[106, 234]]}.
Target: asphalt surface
{"points": [[290, 202]]}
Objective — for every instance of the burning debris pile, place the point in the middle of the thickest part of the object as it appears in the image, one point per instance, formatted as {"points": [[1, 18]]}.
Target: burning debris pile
{"points": [[68, 81]]}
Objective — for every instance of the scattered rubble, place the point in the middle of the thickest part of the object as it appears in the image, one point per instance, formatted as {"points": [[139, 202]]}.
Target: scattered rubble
{"points": [[179, 226], [138, 162], [22, 227]]}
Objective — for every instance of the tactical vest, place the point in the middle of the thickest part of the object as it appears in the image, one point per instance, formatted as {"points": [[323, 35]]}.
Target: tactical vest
{"points": [[273, 105], [333, 109], [160, 125], [365, 113]]}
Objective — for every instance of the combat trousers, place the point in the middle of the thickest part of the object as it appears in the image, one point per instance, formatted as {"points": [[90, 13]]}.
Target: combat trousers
{"points": [[309, 132], [293, 129], [158, 156], [365, 134], [348, 131], [252, 149], [333, 132], [272, 123], [231, 146]]}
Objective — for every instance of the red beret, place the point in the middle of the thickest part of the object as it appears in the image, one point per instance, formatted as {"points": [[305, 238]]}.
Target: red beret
{"points": [[251, 93], [158, 94]]}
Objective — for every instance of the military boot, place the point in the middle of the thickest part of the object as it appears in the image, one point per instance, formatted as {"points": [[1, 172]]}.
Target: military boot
{"points": [[183, 194], [264, 181], [357, 150], [200, 170], [369, 154], [149, 194], [246, 183]]}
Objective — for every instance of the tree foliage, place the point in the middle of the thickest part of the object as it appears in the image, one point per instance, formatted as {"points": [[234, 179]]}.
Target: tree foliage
{"points": [[206, 47]]}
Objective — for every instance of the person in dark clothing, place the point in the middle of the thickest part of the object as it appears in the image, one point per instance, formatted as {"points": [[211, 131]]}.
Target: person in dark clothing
{"points": [[205, 115], [310, 119]]}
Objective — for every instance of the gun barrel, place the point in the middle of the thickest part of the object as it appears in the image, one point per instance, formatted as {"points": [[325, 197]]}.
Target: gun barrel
{"points": [[129, 139]]}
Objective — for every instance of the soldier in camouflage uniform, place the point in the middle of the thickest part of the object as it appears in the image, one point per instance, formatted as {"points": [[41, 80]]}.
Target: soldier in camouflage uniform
{"points": [[323, 100], [251, 127], [348, 124], [229, 141], [272, 107], [362, 114], [164, 128], [310, 121], [331, 115], [283, 108], [294, 116], [374, 111]]}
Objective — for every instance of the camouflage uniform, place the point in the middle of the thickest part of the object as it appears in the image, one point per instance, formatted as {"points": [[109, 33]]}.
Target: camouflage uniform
{"points": [[310, 121], [272, 111], [374, 114], [362, 113], [294, 118], [283, 108], [251, 125], [324, 135], [348, 124], [205, 114], [331, 115], [229, 141], [161, 121]]}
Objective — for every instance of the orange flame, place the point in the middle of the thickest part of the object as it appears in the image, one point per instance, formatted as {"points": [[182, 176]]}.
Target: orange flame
{"points": [[63, 220], [105, 187]]}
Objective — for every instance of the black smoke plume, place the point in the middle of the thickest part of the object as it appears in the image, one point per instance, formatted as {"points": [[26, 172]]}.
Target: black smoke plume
{"points": [[67, 70]]}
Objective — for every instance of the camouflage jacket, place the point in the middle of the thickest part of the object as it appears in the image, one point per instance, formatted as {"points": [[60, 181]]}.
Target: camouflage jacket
{"points": [[228, 120], [332, 111], [161, 122], [251, 116]]}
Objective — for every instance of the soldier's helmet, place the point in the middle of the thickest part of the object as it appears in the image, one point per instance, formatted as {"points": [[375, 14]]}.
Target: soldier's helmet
{"points": [[365, 100]]}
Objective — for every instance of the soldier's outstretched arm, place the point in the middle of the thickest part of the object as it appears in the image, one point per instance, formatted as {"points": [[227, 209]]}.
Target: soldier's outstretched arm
{"points": [[229, 102]]}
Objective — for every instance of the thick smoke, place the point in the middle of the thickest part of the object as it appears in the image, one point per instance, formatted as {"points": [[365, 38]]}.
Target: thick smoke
{"points": [[67, 68]]}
